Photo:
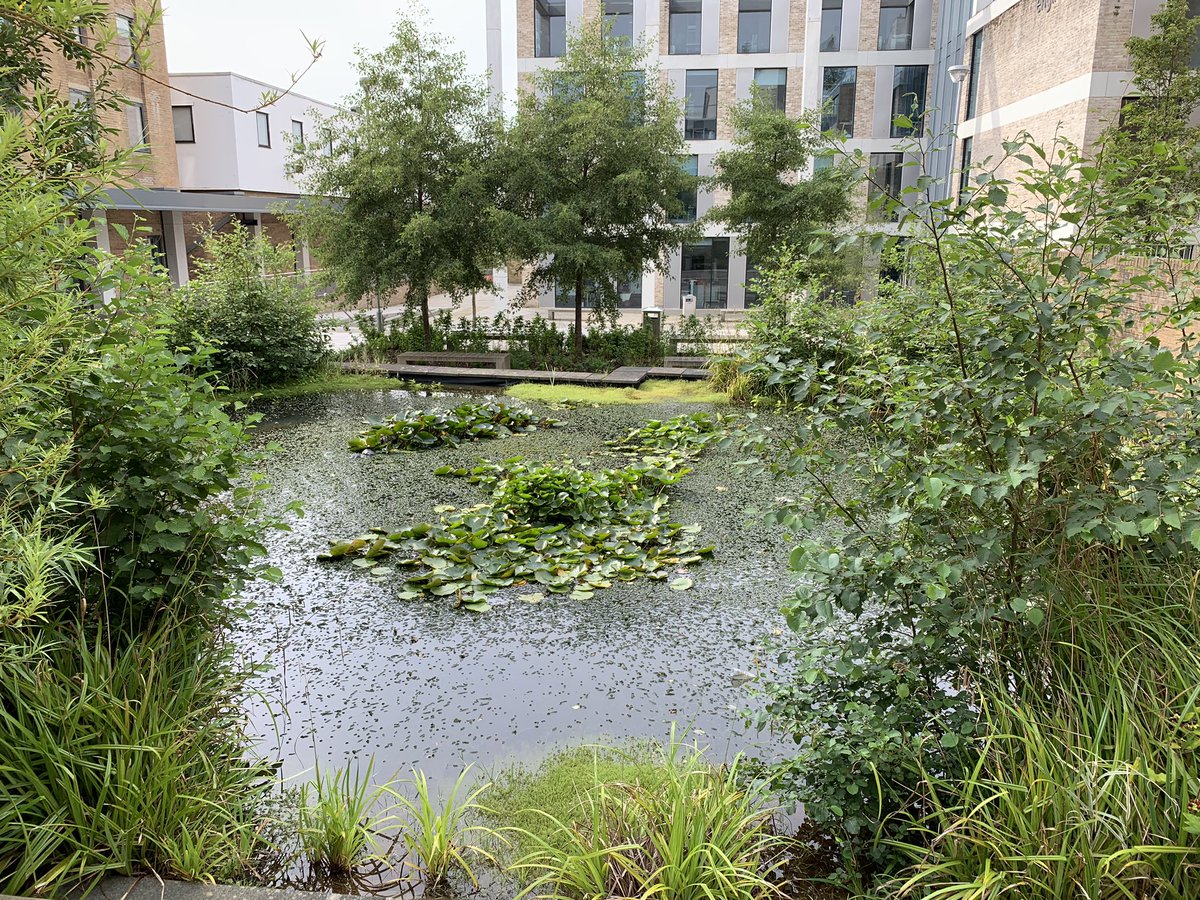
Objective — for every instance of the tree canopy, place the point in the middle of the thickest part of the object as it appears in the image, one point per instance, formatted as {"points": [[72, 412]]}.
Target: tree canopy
{"points": [[593, 169], [404, 200]]}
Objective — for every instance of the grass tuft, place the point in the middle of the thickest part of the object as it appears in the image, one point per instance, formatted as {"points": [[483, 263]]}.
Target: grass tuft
{"points": [[653, 391]]}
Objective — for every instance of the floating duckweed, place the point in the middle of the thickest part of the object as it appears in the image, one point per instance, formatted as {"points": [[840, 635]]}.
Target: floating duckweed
{"points": [[426, 429]]}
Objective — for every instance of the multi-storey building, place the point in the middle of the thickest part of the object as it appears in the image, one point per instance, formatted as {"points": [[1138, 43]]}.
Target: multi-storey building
{"points": [[203, 154], [861, 61]]}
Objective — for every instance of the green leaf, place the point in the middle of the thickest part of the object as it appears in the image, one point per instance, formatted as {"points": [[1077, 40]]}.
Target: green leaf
{"points": [[682, 584]]}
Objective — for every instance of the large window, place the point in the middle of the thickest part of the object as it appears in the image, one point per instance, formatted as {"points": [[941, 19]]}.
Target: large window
{"points": [[887, 180], [705, 273], [973, 76], [908, 99], [831, 25], [895, 24], [297, 133], [754, 26], [139, 131], [125, 40], [627, 294], [264, 129], [837, 99], [549, 27], [690, 197], [700, 105], [684, 27], [618, 15], [185, 126], [753, 276], [773, 82]]}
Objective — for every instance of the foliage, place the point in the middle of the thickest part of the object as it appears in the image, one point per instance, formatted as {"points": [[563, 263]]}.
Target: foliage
{"points": [[1155, 127], [687, 435], [426, 429], [248, 305], [624, 533], [116, 761], [340, 817], [697, 835], [949, 494], [407, 171], [593, 169], [1087, 785], [437, 835], [770, 207], [651, 391]]}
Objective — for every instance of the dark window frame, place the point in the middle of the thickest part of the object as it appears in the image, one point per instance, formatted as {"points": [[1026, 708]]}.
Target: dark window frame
{"points": [[780, 89], [679, 17], [832, 119], [973, 74], [885, 41], [718, 248], [902, 102], [546, 43], [298, 139], [757, 12], [964, 171], [617, 21], [191, 123], [834, 39], [700, 123], [128, 33], [259, 118]]}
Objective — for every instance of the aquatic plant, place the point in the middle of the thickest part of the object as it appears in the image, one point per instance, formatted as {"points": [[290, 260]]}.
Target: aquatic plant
{"points": [[426, 429], [340, 815], [437, 835], [688, 434]]}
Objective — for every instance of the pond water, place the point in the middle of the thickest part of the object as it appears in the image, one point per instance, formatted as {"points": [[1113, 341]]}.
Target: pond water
{"points": [[356, 673]]}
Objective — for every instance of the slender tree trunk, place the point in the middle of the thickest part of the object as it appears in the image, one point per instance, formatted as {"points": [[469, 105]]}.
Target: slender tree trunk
{"points": [[426, 329], [579, 315]]}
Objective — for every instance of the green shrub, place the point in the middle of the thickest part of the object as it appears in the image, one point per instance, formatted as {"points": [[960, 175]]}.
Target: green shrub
{"points": [[949, 494], [341, 816], [247, 303], [119, 761]]}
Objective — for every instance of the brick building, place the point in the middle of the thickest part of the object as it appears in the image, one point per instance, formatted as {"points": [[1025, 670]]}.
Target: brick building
{"points": [[865, 59], [204, 156]]}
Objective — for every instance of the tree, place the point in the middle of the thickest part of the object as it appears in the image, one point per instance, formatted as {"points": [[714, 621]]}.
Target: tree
{"points": [[1155, 126], [403, 199], [594, 169], [770, 206]]}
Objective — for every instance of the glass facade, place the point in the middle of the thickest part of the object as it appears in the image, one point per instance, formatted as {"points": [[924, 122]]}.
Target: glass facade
{"points": [[549, 28], [773, 82], [895, 24], [831, 25], [973, 76], [700, 105], [627, 294], [887, 181], [690, 198], [754, 26], [908, 99], [684, 27], [753, 297], [618, 16], [704, 273], [838, 89]]}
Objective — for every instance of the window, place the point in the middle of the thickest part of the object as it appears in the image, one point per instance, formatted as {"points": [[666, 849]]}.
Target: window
{"points": [[831, 25], [753, 276], [700, 105], [691, 166], [549, 27], [264, 129], [773, 83], [618, 15], [887, 171], [139, 134], [964, 173], [704, 273], [1193, 12], [973, 74], [754, 26], [81, 34], [837, 99], [79, 97], [908, 99], [185, 128], [895, 24], [627, 294], [125, 40], [297, 133], [683, 27]]}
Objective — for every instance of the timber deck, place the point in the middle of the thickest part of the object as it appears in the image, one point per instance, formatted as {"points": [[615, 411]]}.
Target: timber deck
{"points": [[626, 376]]}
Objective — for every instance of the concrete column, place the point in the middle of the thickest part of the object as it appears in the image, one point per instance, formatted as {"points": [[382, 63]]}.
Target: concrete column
{"points": [[495, 53], [100, 223], [780, 25], [710, 27], [305, 257], [174, 238]]}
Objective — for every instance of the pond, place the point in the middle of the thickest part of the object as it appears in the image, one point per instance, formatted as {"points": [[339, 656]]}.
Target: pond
{"points": [[358, 674]]}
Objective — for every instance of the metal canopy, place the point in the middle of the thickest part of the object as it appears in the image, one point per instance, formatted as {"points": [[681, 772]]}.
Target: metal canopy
{"points": [[188, 201]]}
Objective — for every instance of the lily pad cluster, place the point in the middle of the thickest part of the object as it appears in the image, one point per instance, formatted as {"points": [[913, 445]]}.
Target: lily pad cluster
{"points": [[688, 435], [426, 429], [548, 528]]}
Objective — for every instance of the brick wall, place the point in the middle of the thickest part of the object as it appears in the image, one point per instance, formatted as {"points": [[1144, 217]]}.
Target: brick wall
{"points": [[864, 103]]}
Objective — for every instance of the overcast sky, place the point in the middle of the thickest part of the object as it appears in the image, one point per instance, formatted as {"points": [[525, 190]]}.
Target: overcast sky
{"points": [[261, 38]]}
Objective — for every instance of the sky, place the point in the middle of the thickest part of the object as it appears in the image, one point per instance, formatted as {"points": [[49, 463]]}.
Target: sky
{"points": [[262, 38]]}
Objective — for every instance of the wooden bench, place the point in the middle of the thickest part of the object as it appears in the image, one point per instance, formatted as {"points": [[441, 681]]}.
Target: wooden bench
{"points": [[455, 360], [685, 362]]}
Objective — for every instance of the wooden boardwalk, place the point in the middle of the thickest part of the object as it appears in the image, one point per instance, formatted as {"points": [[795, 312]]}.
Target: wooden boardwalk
{"points": [[626, 376]]}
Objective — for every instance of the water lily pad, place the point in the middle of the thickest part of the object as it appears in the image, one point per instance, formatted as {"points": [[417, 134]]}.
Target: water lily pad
{"points": [[532, 598], [682, 584], [478, 606], [381, 571]]}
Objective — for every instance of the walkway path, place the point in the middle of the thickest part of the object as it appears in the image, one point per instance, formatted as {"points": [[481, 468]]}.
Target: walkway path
{"points": [[626, 376]]}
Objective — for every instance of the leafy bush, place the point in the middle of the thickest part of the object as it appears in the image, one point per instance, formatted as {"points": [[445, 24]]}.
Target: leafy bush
{"points": [[247, 303], [424, 430], [687, 435], [696, 835], [950, 495], [118, 761]]}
